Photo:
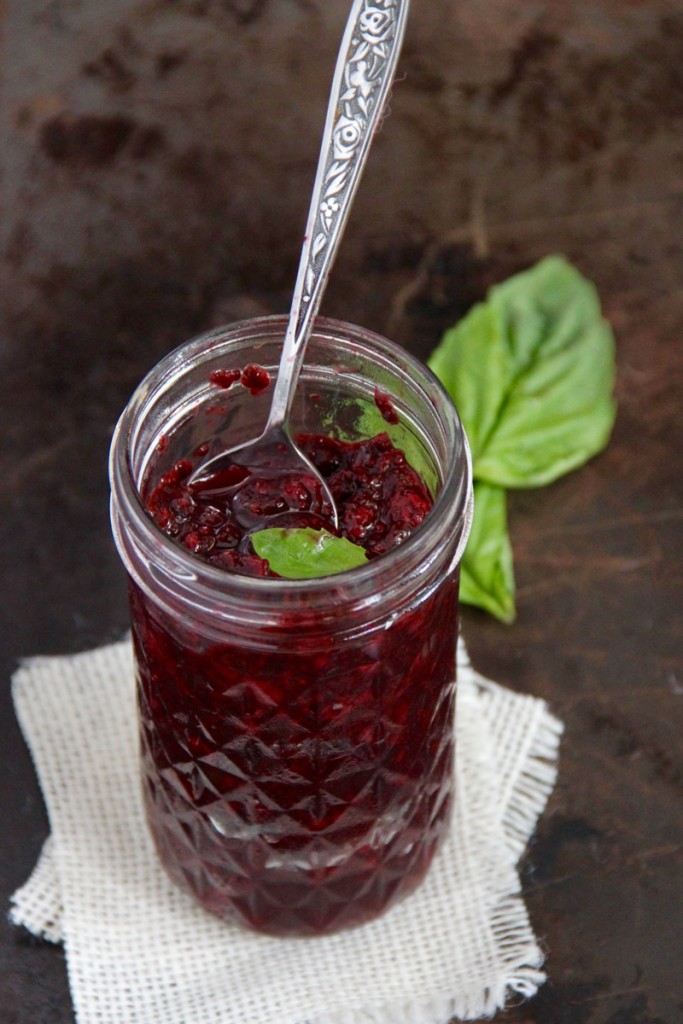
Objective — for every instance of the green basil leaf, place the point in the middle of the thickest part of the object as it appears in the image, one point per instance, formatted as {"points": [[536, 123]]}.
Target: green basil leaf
{"points": [[531, 372], [299, 554], [486, 574]]}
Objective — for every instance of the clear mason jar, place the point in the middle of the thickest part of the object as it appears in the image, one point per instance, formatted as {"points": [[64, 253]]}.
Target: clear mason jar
{"points": [[296, 735]]}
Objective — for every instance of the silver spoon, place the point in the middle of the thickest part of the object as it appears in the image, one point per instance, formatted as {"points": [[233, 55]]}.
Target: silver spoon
{"points": [[362, 78]]}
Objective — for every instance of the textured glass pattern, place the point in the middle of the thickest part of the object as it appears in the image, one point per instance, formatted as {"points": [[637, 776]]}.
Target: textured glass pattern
{"points": [[303, 791]]}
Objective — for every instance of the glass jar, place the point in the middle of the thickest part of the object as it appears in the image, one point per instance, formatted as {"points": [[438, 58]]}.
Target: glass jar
{"points": [[296, 735]]}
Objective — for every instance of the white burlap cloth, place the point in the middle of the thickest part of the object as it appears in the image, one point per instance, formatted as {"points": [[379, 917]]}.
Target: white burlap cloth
{"points": [[140, 952]]}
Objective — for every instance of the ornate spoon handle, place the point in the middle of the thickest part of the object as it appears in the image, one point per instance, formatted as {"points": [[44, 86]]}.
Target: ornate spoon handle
{"points": [[362, 79]]}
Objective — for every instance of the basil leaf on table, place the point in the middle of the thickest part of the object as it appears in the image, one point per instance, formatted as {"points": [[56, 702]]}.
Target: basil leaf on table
{"points": [[303, 553], [486, 574], [531, 372]]}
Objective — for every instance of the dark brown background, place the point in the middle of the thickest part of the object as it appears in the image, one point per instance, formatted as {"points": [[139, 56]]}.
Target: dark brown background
{"points": [[156, 166]]}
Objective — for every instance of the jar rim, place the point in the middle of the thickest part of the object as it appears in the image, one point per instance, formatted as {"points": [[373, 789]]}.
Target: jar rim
{"points": [[452, 500]]}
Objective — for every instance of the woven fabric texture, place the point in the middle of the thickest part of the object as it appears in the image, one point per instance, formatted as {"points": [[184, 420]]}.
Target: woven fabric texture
{"points": [[140, 951]]}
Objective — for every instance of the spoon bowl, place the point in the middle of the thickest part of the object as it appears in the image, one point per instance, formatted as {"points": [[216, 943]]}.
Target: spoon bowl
{"points": [[364, 71], [252, 469]]}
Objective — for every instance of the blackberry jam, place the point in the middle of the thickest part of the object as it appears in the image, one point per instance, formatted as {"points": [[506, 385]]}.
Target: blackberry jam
{"points": [[380, 501], [296, 735]]}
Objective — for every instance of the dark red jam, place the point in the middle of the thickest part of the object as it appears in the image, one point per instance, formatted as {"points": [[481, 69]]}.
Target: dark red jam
{"points": [[255, 378], [380, 501], [252, 377], [224, 378], [303, 786], [386, 406]]}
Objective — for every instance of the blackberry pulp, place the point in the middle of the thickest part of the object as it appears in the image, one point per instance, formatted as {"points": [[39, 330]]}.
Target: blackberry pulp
{"points": [[380, 501]]}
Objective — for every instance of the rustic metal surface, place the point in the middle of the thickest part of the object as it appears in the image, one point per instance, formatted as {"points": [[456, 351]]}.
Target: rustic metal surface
{"points": [[139, 209]]}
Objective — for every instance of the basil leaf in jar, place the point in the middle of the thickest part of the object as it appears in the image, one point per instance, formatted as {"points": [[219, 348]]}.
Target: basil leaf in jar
{"points": [[303, 553]]}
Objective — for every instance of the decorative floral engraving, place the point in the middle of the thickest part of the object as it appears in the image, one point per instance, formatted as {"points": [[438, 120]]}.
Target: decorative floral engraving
{"points": [[376, 25], [328, 209], [371, 50], [347, 135]]}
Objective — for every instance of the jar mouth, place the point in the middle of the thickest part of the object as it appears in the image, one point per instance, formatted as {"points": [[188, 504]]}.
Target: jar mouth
{"points": [[452, 502]]}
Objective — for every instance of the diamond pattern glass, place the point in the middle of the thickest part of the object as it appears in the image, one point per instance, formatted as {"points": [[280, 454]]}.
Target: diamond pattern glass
{"points": [[298, 792]]}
